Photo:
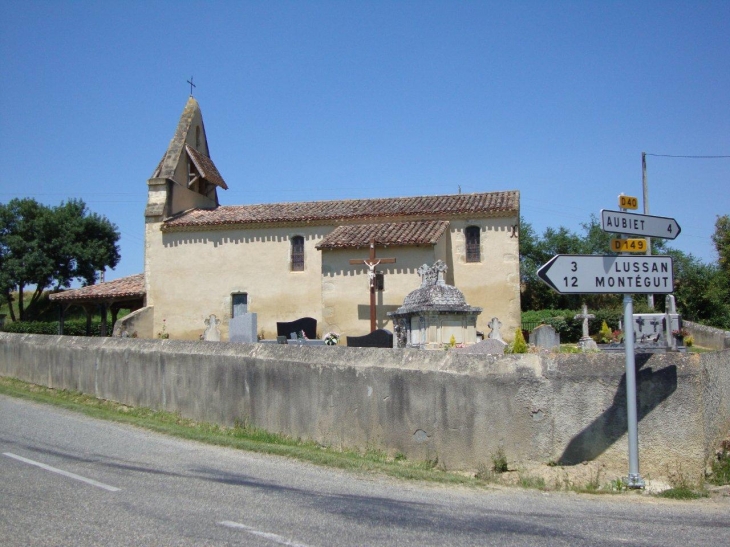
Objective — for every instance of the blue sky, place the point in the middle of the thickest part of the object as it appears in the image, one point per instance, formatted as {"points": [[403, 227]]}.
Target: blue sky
{"points": [[333, 100]]}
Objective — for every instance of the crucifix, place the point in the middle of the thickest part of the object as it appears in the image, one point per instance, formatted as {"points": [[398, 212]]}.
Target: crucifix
{"points": [[371, 262], [192, 85]]}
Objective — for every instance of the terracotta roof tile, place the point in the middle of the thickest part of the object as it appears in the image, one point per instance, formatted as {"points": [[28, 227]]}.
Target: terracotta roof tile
{"points": [[123, 288], [205, 167], [430, 207], [425, 232]]}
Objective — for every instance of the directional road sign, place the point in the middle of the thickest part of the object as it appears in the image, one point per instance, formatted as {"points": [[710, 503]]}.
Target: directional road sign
{"points": [[619, 222], [597, 274]]}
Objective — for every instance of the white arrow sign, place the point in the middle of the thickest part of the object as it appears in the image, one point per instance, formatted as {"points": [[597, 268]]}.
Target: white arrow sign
{"points": [[597, 274], [619, 222]]}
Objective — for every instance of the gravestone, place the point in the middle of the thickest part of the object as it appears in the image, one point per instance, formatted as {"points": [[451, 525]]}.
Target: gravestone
{"points": [[212, 333], [490, 346], [306, 324], [545, 337], [243, 328], [380, 338], [652, 328], [495, 324]]}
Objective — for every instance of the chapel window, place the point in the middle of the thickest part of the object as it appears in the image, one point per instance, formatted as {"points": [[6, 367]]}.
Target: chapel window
{"points": [[473, 244], [197, 137], [297, 254]]}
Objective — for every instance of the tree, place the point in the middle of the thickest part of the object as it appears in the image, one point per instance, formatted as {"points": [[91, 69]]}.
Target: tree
{"points": [[700, 290], [721, 239], [49, 247]]}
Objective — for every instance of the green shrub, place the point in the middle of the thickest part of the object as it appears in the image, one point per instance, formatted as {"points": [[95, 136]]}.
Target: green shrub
{"points": [[605, 335], [70, 328], [721, 469], [518, 345], [499, 461]]}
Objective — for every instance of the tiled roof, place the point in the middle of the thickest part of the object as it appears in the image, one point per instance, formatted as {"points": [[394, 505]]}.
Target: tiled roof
{"points": [[429, 207], [422, 232], [120, 289], [205, 167]]}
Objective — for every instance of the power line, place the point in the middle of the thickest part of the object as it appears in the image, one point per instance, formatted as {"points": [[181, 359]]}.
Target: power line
{"points": [[694, 157]]}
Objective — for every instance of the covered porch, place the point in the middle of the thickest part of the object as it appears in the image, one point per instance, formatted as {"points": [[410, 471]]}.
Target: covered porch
{"points": [[126, 293]]}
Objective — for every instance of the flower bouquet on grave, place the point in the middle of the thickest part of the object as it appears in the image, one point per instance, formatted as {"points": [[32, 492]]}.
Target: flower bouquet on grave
{"points": [[301, 335], [331, 338]]}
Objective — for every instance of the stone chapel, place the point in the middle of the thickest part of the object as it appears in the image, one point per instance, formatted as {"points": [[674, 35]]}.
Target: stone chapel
{"points": [[285, 261]]}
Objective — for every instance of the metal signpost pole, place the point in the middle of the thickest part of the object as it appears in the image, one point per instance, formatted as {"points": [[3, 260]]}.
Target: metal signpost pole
{"points": [[634, 479]]}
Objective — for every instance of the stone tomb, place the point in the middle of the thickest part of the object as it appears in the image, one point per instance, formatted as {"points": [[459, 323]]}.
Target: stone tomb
{"points": [[490, 346], [434, 313]]}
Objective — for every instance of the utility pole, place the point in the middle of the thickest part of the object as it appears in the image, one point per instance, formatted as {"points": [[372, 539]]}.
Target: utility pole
{"points": [[650, 297]]}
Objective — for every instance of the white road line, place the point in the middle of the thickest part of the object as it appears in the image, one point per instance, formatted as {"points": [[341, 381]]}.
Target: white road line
{"points": [[92, 482], [273, 537]]}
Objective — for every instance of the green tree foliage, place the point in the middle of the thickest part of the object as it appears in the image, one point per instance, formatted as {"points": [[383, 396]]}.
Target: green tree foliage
{"points": [[536, 250], [49, 247], [721, 239]]}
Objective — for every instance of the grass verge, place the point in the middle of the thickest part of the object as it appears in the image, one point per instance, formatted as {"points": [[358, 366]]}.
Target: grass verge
{"points": [[241, 436]]}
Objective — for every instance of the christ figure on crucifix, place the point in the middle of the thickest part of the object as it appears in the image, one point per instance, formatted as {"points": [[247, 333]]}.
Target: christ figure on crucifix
{"points": [[372, 262]]}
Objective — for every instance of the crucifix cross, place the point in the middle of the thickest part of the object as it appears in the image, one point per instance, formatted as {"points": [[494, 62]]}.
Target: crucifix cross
{"points": [[371, 262], [192, 85]]}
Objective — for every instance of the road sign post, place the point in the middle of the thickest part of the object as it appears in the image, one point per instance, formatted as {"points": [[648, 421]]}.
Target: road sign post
{"points": [[634, 479]]}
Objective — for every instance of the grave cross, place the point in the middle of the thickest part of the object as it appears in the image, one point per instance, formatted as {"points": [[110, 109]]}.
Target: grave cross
{"points": [[192, 85], [585, 316], [371, 262], [655, 322]]}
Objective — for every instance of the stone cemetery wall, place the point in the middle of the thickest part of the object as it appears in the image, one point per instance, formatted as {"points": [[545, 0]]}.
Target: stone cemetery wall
{"points": [[459, 408], [708, 337]]}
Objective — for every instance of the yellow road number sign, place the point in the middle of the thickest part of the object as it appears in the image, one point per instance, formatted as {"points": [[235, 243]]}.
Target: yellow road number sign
{"points": [[628, 245], [628, 202]]}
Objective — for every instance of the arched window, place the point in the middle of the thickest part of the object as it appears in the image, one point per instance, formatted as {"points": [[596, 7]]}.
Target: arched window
{"points": [[473, 244], [197, 137], [297, 254]]}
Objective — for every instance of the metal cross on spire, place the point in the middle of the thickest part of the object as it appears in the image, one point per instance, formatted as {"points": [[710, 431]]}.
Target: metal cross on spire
{"points": [[192, 85]]}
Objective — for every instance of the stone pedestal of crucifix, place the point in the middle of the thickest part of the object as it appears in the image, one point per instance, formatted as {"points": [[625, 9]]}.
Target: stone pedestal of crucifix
{"points": [[586, 343], [372, 262]]}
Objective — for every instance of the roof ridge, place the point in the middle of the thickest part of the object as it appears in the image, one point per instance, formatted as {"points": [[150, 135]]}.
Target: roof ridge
{"points": [[400, 209]]}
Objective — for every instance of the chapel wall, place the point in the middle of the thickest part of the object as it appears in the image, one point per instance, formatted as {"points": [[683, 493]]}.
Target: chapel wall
{"points": [[194, 274], [492, 284]]}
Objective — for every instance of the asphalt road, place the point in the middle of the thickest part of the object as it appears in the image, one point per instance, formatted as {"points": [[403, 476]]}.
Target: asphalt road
{"points": [[66, 479]]}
